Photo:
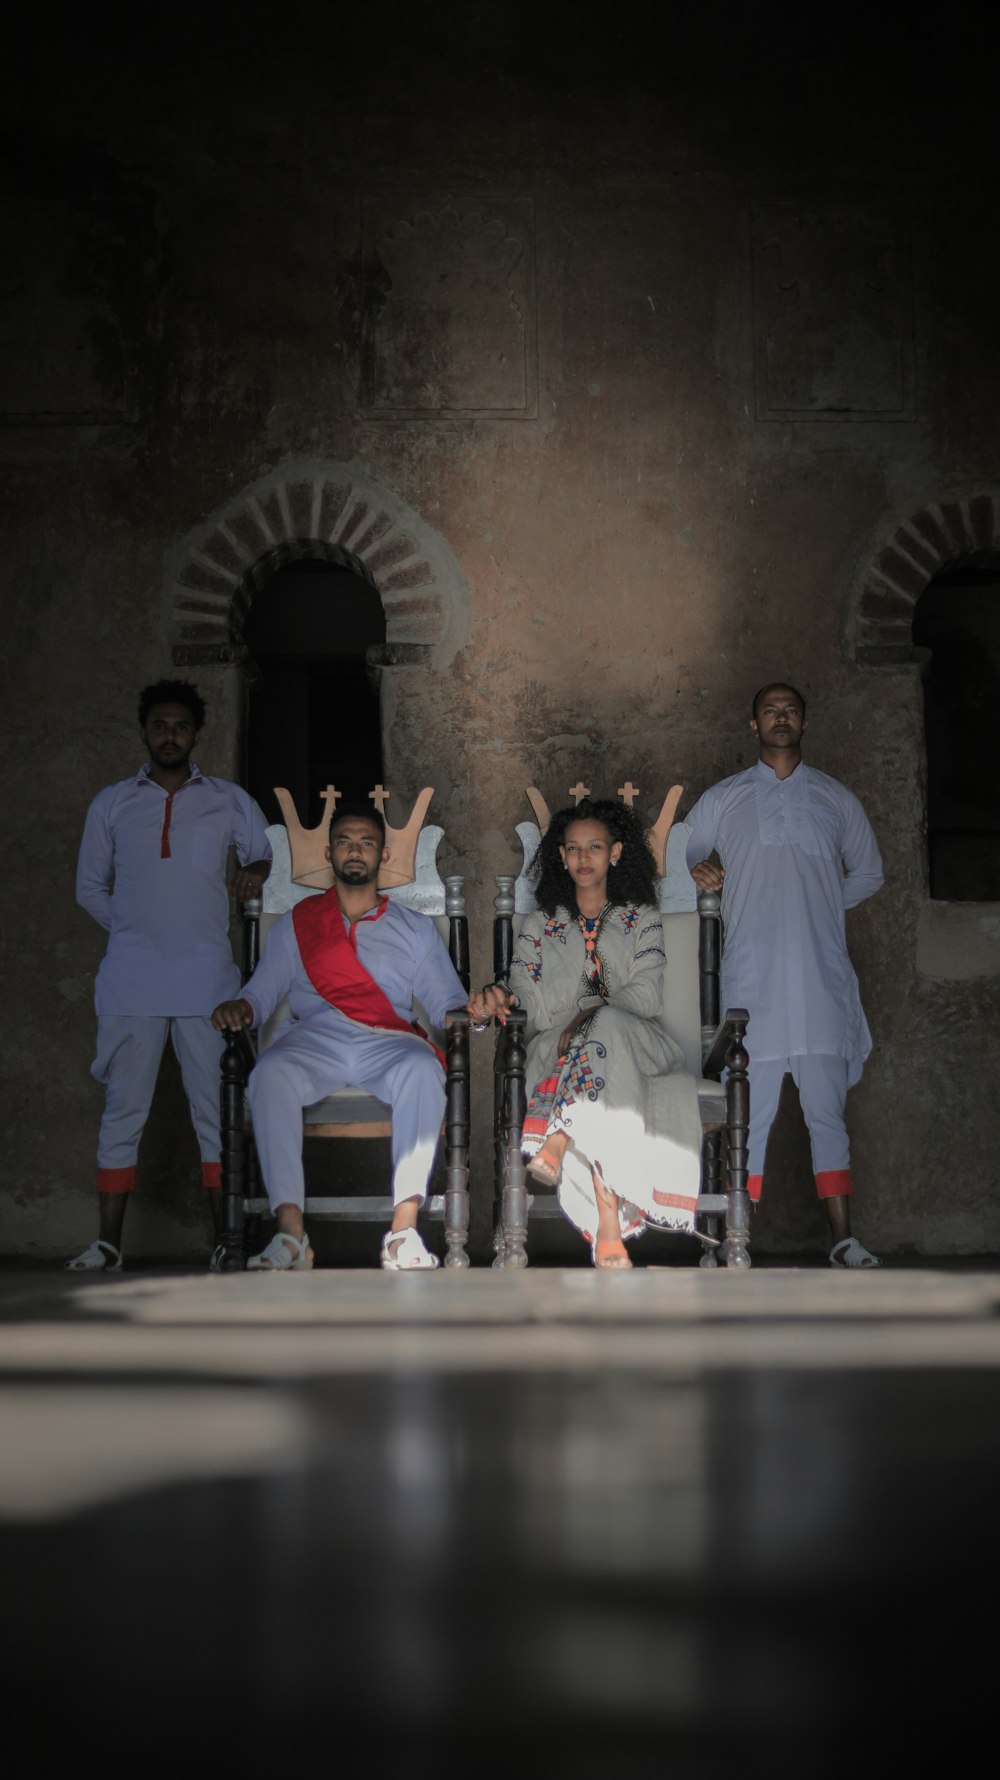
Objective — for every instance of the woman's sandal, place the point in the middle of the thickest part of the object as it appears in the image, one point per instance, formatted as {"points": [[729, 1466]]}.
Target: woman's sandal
{"points": [[609, 1252], [543, 1167], [411, 1255], [283, 1254], [100, 1257]]}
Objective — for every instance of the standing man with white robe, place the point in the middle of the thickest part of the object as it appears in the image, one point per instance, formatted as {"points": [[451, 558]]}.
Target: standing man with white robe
{"points": [[152, 872], [351, 964], [796, 852]]}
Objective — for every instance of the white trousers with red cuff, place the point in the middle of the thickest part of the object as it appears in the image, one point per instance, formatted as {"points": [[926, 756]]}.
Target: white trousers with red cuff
{"points": [[305, 1064], [822, 1084], [130, 1050]]}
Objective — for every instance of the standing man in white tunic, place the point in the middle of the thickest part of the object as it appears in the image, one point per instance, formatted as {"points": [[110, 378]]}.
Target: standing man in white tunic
{"points": [[795, 851], [152, 872]]}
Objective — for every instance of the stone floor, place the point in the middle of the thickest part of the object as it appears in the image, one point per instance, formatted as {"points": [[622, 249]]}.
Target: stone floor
{"points": [[660, 1523]]}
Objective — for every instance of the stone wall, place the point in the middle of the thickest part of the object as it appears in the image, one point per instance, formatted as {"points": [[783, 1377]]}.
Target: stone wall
{"points": [[630, 380]]}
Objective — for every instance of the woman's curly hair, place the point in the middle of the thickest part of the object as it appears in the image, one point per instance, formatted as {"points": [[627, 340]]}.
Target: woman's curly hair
{"points": [[632, 881]]}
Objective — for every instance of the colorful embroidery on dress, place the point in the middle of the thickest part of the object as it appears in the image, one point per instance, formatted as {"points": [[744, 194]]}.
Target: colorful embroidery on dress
{"points": [[646, 950], [533, 966], [572, 1079], [628, 918], [554, 929]]}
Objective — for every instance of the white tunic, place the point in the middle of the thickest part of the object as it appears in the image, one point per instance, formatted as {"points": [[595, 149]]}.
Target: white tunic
{"points": [[797, 853]]}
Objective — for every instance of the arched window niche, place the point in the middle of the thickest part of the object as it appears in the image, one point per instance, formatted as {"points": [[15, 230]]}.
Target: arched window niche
{"points": [[957, 620], [340, 517], [316, 637], [926, 600]]}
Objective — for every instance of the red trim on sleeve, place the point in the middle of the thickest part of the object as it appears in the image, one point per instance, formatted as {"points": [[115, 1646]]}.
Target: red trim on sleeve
{"points": [[211, 1174], [116, 1180], [754, 1184], [834, 1183]]}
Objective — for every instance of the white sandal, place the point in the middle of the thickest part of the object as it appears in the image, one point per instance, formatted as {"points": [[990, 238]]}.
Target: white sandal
{"points": [[283, 1254], [852, 1254], [411, 1255], [97, 1259]]}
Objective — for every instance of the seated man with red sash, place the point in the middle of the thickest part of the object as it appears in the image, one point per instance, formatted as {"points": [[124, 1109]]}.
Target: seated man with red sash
{"points": [[351, 963]]}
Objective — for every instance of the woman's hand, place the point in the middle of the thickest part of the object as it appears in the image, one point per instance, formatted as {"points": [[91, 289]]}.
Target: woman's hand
{"points": [[492, 1002], [567, 1036]]}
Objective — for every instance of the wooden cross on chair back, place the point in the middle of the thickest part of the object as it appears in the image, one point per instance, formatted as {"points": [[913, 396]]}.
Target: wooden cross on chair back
{"points": [[300, 869], [712, 1044]]}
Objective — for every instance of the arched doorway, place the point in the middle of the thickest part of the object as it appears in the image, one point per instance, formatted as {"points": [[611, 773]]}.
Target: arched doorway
{"points": [[926, 598], [315, 633], [957, 619]]}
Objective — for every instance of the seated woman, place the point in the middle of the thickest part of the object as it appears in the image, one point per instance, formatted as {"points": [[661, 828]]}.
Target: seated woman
{"points": [[612, 1119]]}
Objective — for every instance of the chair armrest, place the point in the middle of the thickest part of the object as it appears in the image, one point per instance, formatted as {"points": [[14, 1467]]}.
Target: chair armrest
{"points": [[252, 910], [730, 1030], [515, 1023], [240, 1047]]}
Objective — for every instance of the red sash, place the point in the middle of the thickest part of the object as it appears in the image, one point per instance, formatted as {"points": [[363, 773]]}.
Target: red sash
{"points": [[330, 959]]}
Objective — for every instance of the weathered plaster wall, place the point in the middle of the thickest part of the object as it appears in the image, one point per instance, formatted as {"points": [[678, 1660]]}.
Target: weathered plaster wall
{"points": [[656, 359]]}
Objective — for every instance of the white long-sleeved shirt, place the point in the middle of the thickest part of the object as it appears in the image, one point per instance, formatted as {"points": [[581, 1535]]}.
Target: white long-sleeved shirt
{"points": [[797, 853], [401, 950], [152, 871]]}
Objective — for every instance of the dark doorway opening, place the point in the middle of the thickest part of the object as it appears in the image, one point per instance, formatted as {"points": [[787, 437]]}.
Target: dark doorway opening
{"points": [[315, 631], [957, 618]]}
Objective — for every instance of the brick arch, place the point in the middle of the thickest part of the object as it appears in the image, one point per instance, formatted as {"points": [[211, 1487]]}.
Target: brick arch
{"points": [[335, 512], [903, 558]]}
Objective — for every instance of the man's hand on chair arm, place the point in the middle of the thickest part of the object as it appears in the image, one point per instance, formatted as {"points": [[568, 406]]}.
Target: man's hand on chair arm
{"points": [[249, 880], [707, 876], [232, 1016]]}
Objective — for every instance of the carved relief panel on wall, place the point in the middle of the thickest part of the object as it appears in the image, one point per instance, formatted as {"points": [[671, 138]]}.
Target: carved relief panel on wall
{"points": [[450, 309], [833, 315]]}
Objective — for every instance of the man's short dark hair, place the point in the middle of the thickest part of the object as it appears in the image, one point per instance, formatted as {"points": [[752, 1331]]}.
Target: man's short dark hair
{"points": [[355, 808], [771, 686], [172, 692]]}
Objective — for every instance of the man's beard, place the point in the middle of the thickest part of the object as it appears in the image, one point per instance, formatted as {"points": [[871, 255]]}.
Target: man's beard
{"points": [[356, 873]]}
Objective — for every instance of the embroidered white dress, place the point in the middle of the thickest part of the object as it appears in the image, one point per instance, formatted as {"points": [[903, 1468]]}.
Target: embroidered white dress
{"points": [[620, 1092]]}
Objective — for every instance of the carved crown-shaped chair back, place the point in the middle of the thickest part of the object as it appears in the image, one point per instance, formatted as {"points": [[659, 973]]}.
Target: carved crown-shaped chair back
{"points": [[656, 836], [311, 867]]}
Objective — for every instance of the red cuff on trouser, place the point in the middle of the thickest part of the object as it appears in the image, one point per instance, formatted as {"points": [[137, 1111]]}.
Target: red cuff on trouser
{"points": [[754, 1184], [211, 1174], [116, 1180], [834, 1183]]}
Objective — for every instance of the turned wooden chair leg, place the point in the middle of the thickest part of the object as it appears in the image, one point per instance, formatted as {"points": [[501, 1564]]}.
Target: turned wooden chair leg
{"points": [[456, 1199], [499, 1148], [515, 1194], [711, 1153], [229, 1255], [736, 1248]]}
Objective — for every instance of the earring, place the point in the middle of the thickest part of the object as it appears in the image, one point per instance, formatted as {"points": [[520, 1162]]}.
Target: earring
{"points": [[614, 862]]}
